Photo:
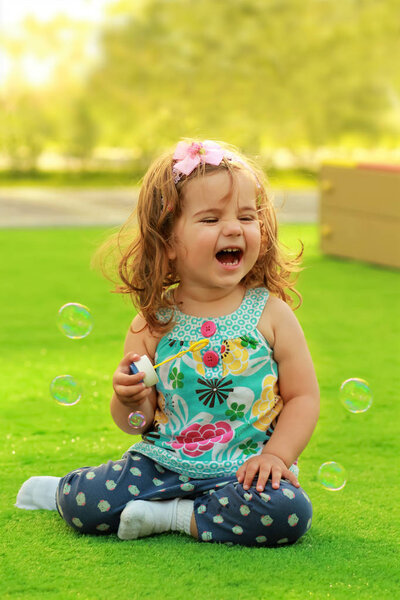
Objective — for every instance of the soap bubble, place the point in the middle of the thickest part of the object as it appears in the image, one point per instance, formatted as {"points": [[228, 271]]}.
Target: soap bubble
{"points": [[137, 419], [355, 395], [65, 390], [332, 476], [74, 320]]}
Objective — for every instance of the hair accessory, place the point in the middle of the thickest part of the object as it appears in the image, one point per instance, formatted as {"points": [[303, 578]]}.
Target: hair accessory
{"points": [[189, 156]]}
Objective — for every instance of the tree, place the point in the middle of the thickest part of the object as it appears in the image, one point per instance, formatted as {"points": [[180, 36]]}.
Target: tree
{"points": [[258, 72]]}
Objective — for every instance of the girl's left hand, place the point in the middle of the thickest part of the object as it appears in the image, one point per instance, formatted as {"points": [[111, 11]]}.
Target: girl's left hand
{"points": [[266, 465]]}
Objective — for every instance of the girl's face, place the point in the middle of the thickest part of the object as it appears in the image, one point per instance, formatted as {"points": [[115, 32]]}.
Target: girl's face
{"points": [[216, 240]]}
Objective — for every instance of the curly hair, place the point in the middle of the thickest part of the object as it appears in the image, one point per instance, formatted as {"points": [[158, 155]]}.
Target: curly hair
{"points": [[144, 270]]}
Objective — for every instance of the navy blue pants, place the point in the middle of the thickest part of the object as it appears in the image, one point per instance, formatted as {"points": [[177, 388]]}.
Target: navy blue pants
{"points": [[91, 500]]}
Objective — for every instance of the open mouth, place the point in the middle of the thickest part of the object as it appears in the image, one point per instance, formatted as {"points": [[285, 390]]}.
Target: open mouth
{"points": [[229, 256]]}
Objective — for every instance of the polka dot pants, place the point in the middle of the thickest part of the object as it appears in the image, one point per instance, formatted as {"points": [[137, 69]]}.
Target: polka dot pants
{"points": [[91, 500]]}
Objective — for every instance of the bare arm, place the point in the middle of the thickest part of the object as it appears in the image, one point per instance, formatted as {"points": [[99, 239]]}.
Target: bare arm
{"points": [[298, 388], [130, 394]]}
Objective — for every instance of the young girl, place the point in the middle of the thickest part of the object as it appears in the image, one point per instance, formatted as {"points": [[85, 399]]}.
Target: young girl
{"points": [[225, 424]]}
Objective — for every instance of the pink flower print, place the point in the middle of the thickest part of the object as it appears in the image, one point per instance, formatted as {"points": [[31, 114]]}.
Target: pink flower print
{"points": [[197, 439]]}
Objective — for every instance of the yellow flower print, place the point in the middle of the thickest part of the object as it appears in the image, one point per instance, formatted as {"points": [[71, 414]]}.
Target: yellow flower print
{"points": [[235, 358], [160, 417], [270, 404], [198, 360]]}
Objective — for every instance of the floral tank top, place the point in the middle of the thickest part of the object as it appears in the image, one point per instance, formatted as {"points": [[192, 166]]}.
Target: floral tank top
{"points": [[217, 406]]}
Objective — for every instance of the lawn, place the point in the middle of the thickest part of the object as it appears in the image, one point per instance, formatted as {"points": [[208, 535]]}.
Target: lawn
{"points": [[279, 178], [351, 320]]}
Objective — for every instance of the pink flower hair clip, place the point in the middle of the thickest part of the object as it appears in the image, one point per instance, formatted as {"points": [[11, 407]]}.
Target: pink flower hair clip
{"points": [[189, 156]]}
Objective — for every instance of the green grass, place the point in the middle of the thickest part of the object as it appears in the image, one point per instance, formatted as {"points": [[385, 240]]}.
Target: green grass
{"points": [[279, 178], [350, 317]]}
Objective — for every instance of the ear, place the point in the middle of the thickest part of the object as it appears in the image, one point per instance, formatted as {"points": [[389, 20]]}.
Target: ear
{"points": [[264, 241], [171, 252]]}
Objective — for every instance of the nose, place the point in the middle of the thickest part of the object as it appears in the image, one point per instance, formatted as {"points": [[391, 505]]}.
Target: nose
{"points": [[232, 227]]}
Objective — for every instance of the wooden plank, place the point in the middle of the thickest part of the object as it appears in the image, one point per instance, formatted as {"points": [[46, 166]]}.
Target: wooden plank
{"points": [[360, 236], [365, 190]]}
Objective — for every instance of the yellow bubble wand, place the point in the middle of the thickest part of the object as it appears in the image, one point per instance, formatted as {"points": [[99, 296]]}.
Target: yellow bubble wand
{"points": [[137, 419], [192, 348]]}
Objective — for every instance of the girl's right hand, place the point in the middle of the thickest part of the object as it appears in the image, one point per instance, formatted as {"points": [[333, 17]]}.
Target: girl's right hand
{"points": [[130, 389]]}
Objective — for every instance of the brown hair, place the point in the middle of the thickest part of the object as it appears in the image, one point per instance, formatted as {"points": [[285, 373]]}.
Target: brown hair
{"points": [[144, 270]]}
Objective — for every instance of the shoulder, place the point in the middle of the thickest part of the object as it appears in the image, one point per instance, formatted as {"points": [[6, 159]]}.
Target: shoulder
{"points": [[139, 337], [277, 318]]}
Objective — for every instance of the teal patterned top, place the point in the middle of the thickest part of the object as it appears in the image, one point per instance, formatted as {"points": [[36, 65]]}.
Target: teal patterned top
{"points": [[217, 406]]}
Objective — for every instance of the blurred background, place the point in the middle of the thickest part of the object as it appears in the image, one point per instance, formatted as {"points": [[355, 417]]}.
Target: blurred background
{"points": [[92, 90]]}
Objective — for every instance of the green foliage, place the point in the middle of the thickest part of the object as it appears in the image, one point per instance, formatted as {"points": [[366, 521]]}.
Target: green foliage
{"points": [[25, 130], [261, 74]]}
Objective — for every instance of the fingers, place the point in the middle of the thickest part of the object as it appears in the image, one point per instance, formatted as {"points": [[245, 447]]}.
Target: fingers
{"points": [[125, 379], [266, 469], [125, 363], [277, 473], [123, 375], [292, 478], [276, 477], [128, 393], [127, 386], [247, 472]]}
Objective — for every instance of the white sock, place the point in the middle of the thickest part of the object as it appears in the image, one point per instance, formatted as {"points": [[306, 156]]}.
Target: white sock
{"points": [[146, 517], [38, 492]]}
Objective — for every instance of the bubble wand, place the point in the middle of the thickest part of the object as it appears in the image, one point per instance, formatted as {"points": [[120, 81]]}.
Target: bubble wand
{"points": [[137, 419]]}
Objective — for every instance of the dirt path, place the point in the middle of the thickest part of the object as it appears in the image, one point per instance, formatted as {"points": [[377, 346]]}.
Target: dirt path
{"points": [[46, 207]]}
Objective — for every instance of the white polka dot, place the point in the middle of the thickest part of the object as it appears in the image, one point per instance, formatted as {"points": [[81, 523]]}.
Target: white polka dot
{"points": [[237, 530], [104, 506], [261, 539], [136, 472], [80, 499], [288, 493], [187, 487]]}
